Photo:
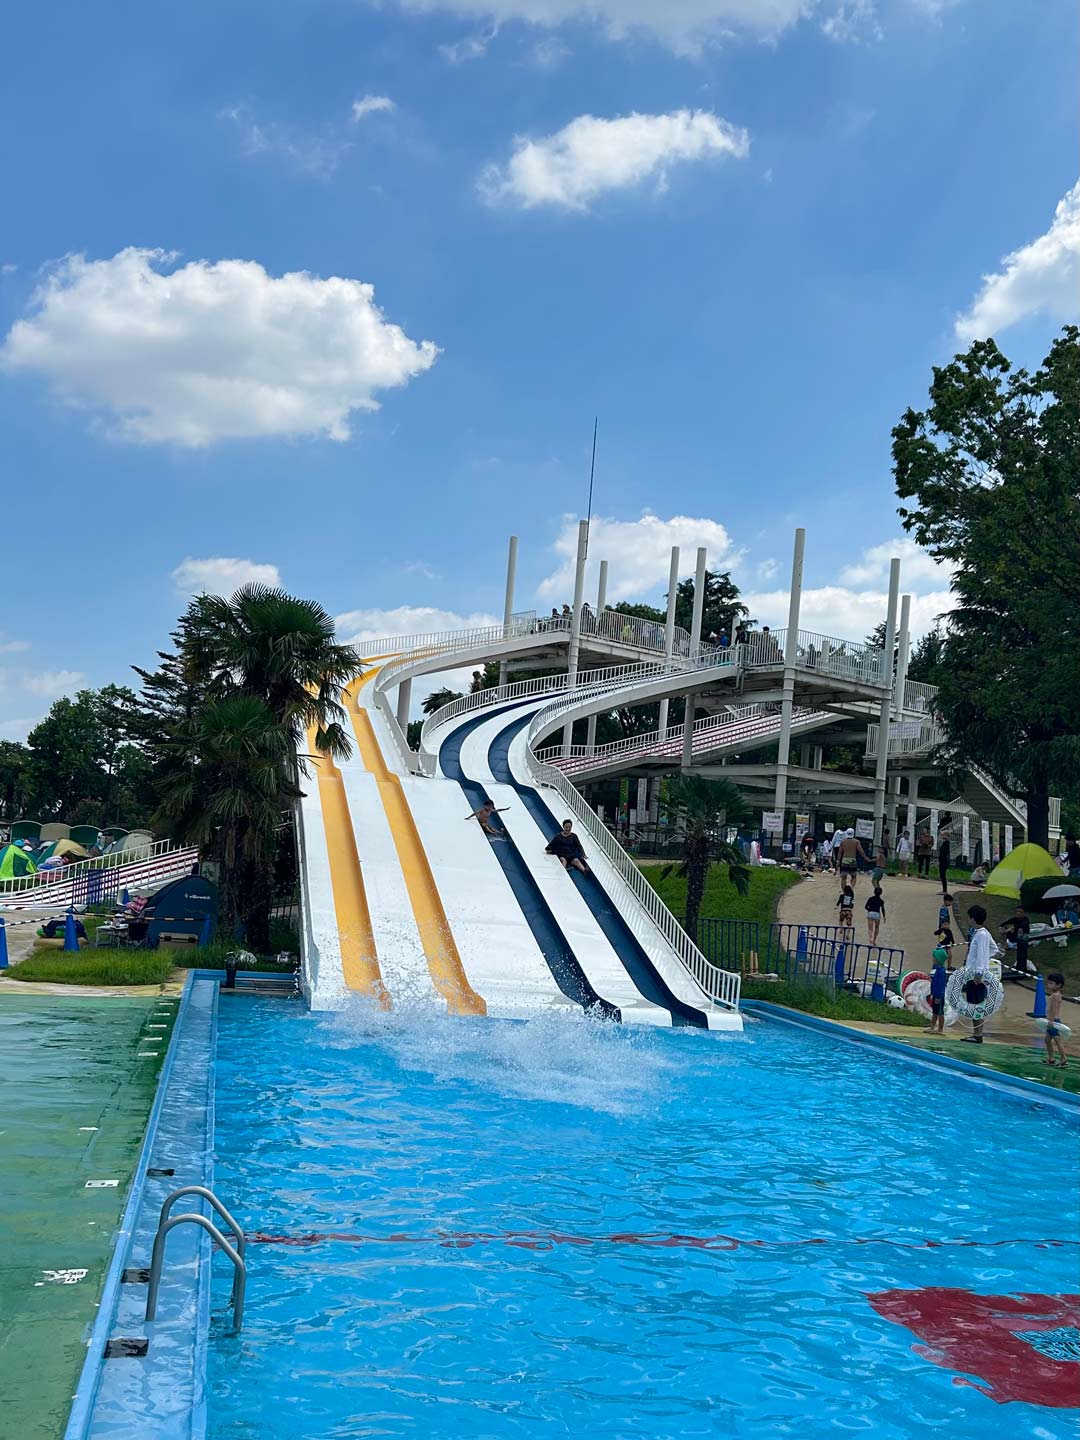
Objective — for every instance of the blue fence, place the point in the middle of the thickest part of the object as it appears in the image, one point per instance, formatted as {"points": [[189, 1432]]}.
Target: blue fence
{"points": [[828, 954]]}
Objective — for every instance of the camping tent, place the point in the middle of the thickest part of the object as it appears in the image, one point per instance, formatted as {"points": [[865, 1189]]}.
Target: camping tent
{"points": [[61, 848], [85, 835], [15, 861], [54, 830], [1026, 862]]}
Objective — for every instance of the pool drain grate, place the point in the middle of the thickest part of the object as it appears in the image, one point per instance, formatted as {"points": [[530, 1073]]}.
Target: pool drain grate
{"points": [[127, 1347], [136, 1275]]}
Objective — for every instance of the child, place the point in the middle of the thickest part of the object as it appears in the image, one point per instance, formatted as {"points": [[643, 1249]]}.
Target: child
{"points": [[939, 979], [945, 939], [944, 914], [846, 902], [881, 859], [1054, 985], [875, 914]]}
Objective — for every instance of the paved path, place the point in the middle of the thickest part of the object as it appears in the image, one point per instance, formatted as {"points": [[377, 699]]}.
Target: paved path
{"points": [[911, 907]]}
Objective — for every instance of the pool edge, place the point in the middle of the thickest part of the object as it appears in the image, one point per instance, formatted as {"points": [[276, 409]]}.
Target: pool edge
{"points": [[82, 1405], [1013, 1085]]}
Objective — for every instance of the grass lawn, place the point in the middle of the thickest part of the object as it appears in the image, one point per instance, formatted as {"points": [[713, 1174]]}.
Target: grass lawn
{"points": [[95, 967], [816, 1000], [721, 900]]}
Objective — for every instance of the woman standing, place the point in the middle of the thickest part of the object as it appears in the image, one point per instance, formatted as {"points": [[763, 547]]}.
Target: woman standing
{"points": [[944, 854], [903, 854], [924, 849]]}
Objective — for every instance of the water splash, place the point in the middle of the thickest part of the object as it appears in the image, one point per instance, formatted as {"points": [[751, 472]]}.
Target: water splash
{"points": [[560, 1056]]}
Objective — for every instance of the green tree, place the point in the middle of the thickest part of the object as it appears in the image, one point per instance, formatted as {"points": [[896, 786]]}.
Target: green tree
{"points": [[66, 750], [438, 698], [927, 657], [993, 468], [14, 776], [723, 610], [229, 769], [702, 811], [264, 646]]}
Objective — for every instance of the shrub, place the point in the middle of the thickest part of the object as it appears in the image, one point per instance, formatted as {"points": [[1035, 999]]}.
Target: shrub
{"points": [[1032, 892], [819, 1000]]}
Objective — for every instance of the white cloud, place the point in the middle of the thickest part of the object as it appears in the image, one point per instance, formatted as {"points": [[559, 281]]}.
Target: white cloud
{"points": [[590, 156], [318, 155], [683, 24], [916, 566], [469, 47], [12, 647], [372, 105], [213, 350], [51, 684], [222, 576], [638, 553], [845, 613], [768, 569], [356, 626], [1042, 278], [18, 728]]}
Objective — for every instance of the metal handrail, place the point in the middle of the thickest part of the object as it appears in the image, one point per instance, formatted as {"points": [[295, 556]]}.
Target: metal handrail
{"points": [[141, 854], [906, 737], [236, 1299], [208, 1195]]}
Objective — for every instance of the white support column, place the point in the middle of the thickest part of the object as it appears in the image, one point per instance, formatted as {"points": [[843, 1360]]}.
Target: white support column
{"points": [[791, 646], [887, 702], [601, 601], [669, 632], [903, 654], [695, 641], [642, 802], [913, 803], [508, 607], [404, 702], [575, 624]]}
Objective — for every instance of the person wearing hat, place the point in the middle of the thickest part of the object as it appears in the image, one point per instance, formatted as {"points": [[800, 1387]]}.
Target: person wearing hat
{"points": [[939, 979]]}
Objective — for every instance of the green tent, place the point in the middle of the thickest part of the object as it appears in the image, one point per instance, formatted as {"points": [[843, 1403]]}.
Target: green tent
{"points": [[1026, 862], [14, 861]]}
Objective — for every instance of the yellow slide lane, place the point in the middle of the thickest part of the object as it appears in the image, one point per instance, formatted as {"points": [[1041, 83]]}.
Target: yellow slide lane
{"points": [[359, 958], [444, 962]]}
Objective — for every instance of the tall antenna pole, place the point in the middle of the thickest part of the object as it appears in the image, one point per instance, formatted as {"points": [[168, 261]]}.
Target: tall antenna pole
{"points": [[592, 472]]}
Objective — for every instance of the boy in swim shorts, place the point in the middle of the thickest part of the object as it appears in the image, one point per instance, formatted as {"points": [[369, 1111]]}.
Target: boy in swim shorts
{"points": [[1054, 986], [939, 979], [846, 903]]}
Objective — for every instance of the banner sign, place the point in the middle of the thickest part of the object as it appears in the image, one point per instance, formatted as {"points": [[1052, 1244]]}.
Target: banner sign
{"points": [[984, 835], [965, 840], [934, 824], [802, 825], [1008, 838], [772, 821], [864, 829]]}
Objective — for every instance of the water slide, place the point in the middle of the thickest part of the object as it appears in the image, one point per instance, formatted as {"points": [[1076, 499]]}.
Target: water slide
{"points": [[407, 901]]}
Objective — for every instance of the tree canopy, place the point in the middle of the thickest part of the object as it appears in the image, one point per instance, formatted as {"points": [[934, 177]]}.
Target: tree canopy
{"points": [[992, 470]]}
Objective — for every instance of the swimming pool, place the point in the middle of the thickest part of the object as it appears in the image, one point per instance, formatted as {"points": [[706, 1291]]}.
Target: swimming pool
{"points": [[500, 1229]]}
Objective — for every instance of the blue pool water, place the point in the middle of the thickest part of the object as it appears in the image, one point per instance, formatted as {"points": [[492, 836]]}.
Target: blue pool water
{"points": [[529, 1225]]}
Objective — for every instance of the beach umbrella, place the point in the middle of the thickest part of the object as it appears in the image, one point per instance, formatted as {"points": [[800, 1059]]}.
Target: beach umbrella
{"points": [[1061, 892]]}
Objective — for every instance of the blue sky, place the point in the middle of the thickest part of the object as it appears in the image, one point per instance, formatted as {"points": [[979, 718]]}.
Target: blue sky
{"points": [[749, 282]]}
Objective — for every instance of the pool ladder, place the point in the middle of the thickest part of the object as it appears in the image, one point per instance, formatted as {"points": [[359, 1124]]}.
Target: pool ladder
{"points": [[166, 1223]]}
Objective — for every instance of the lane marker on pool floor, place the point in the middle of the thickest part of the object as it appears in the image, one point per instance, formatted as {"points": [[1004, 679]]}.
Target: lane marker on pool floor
{"points": [[101, 1184], [548, 1240]]}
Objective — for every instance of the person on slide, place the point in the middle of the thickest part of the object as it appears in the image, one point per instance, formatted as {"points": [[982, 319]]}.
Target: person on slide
{"points": [[569, 850], [483, 818]]}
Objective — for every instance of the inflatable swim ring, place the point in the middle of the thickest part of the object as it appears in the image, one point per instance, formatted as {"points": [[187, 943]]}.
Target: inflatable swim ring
{"points": [[975, 994], [1063, 1029]]}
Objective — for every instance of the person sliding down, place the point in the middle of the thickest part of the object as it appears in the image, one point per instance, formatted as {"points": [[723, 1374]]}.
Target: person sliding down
{"points": [[483, 818], [569, 850]]}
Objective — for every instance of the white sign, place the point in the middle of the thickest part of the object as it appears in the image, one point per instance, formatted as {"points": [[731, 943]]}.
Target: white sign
{"points": [[995, 831], [965, 833], [984, 835], [1008, 838], [802, 825], [934, 824], [772, 821], [829, 827], [864, 829]]}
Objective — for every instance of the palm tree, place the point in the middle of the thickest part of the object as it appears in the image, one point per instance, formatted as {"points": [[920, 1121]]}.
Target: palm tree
{"points": [[702, 810], [283, 650], [226, 774]]}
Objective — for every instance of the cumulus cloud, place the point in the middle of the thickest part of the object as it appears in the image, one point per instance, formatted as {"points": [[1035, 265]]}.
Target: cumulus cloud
{"points": [[590, 156], [372, 105], [51, 684], [768, 569], [1042, 278], [222, 576], [212, 350], [638, 553], [683, 24], [845, 613], [916, 566], [356, 627], [18, 728], [12, 647]]}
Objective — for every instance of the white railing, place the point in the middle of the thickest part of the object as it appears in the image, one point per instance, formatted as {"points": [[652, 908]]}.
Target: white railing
{"points": [[920, 697], [57, 887], [15, 885], [438, 642], [721, 986], [710, 733], [906, 737]]}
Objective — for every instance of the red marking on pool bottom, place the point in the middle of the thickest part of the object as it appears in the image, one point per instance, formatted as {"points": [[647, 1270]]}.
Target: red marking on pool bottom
{"points": [[978, 1334], [550, 1239]]}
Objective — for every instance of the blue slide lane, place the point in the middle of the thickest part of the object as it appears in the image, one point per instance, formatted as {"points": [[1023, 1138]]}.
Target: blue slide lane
{"points": [[620, 937], [554, 947]]}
